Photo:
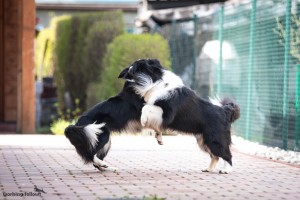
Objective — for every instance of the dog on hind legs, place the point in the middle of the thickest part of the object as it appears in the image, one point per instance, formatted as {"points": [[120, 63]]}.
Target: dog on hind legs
{"points": [[91, 133], [172, 106]]}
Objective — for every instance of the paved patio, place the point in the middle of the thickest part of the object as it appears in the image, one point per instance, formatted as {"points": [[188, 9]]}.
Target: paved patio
{"points": [[145, 170]]}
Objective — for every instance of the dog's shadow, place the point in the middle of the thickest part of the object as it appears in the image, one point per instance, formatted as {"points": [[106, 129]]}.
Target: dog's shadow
{"points": [[92, 171]]}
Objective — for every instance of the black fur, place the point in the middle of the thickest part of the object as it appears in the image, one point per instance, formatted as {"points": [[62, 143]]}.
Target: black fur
{"points": [[186, 112], [116, 112], [149, 67], [79, 140]]}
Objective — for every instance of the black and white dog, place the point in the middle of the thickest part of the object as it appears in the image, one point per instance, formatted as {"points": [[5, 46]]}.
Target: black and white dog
{"points": [[171, 105], [91, 134]]}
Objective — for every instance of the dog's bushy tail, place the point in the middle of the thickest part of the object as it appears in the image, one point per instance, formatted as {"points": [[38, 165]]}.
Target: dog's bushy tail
{"points": [[231, 108]]}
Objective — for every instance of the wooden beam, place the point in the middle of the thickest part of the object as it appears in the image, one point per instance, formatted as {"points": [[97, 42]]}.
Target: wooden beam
{"points": [[26, 76], [10, 58], [1, 60]]}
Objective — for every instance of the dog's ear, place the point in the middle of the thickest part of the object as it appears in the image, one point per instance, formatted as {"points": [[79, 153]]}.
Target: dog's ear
{"points": [[155, 67], [154, 63], [123, 73]]}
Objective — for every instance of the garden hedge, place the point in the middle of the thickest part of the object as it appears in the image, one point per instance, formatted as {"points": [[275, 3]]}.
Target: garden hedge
{"points": [[81, 42], [44, 50]]}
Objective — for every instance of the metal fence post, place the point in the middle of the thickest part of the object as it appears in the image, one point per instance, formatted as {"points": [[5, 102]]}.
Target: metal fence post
{"points": [[173, 45], [297, 107], [195, 50], [220, 66], [286, 75], [250, 73]]}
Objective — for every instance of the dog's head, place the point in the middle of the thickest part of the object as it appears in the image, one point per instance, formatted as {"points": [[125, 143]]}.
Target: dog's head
{"points": [[143, 70], [143, 74]]}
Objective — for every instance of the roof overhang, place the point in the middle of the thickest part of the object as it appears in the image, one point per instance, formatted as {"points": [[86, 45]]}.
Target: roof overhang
{"points": [[165, 4], [161, 12], [87, 7]]}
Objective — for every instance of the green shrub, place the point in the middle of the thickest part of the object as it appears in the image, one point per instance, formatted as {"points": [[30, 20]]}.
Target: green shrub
{"points": [[43, 54], [65, 119], [93, 94], [44, 50], [58, 126], [45, 45], [81, 42], [122, 52], [294, 35]]}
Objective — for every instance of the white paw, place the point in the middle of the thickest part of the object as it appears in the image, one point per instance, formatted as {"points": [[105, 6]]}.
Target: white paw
{"points": [[227, 169], [112, 169], [144, 119], [151, 117], [99, 163], [158, 137], [224, 171], [206, 170], [102, 164]]}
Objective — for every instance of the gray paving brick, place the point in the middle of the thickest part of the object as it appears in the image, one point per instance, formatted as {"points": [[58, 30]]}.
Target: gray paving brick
{"points": [[145, 169]]}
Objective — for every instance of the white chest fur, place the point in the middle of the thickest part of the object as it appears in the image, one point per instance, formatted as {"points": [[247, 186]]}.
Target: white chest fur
{"points": [[163, 89]]}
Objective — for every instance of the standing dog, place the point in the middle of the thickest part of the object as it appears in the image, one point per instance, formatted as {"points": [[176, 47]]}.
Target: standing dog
{"points": [[171, 105]]}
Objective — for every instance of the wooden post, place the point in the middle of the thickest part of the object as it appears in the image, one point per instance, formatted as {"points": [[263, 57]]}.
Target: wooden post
{"points": [[26, 107]]}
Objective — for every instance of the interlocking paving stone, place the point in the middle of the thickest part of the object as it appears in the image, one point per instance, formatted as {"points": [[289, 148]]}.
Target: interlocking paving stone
{"points": [[145, 169]]}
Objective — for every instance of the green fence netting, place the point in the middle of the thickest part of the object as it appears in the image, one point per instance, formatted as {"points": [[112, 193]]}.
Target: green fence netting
{"points": [[249, 52]]}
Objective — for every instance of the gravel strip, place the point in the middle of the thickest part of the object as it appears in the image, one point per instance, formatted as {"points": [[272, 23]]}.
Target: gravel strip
{"points": [[273, 153]]}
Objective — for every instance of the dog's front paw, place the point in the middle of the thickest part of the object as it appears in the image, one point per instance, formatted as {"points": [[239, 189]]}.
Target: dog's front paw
{"points": [[144, 119], [158, 137], [152, 117], [146, 111]]}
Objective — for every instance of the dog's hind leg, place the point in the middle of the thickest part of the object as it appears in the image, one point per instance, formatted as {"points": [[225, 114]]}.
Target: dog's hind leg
{"points": [[99, 163], [213, 162], [103, 146], [227, 169], [102, 165], [214, 159], [223, 152], [227, 162]]}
